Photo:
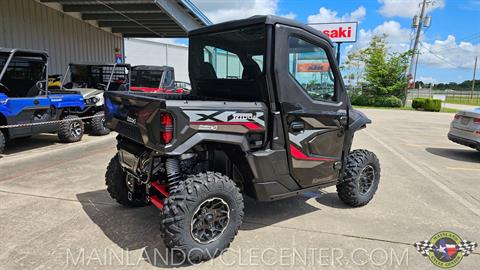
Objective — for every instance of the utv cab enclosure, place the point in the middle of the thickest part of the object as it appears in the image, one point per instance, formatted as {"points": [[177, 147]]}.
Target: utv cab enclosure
{"points": [[27, 107], [268, 117]]}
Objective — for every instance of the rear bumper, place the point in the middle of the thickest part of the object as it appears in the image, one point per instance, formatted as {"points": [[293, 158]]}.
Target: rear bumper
{"points": [[464, 138]]}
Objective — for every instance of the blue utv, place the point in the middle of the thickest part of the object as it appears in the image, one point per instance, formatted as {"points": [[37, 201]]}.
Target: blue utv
{"points": [[27, 107]]}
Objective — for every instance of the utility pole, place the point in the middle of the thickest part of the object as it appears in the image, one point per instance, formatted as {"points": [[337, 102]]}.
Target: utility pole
{"points": [[474, 75], [415, 76], [417, 36]]}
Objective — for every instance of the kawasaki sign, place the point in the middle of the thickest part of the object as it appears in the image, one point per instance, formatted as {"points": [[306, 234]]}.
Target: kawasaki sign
{"points": [[338, 32]]}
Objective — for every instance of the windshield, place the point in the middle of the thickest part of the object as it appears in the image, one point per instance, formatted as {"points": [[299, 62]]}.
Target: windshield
{"points": [[230, 63], [146, 78]]}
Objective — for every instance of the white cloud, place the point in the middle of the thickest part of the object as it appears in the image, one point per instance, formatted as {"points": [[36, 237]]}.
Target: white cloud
{"points": [[398, 38], [405, 8], [219, 10], [443, 54], [449, 53], [427, 79], [289, 15], [326, 15]]}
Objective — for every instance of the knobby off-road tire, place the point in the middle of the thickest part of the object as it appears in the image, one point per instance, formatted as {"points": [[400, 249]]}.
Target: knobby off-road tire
{"points": [[182, 210], [3, 142], [97, 125], [71, 131], [115, 179], [362, 176]]}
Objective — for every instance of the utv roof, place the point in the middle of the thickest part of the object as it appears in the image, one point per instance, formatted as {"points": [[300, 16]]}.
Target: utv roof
{"points": [[98, 64], [24, 52], [255, 20], [150, 67]]}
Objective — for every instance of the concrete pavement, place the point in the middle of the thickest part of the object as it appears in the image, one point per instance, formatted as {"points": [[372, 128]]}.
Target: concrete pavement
{"points": [[55, 212]]}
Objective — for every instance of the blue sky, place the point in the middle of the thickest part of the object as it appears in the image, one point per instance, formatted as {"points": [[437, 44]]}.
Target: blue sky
{"points": [[448, 47]]}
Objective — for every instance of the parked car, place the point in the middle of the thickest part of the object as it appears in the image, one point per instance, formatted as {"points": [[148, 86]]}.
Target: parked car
{"points": [[254, 127], [91, 80], [465, 128], [157, 79], [27, 106]]}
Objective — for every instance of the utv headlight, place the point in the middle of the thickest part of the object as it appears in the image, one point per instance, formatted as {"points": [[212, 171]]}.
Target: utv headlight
{"points": [[91, 101]]}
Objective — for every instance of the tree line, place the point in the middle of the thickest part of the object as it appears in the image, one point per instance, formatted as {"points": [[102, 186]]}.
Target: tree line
{"points": [[463, 86]]}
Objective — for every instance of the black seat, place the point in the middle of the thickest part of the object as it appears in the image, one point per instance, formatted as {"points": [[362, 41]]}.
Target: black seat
{"points": [[207, 72], [33, 91], [251, 71]]}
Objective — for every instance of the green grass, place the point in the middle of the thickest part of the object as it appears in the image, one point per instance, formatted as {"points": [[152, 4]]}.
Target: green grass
{"points": [[444, 110], [464, 100]]}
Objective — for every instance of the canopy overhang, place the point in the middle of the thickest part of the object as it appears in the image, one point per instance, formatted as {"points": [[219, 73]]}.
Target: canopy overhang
{"points": [[138, 18]]}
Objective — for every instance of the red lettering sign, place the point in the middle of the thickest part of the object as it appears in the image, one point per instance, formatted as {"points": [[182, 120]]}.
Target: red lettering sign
{"points": [[338, 32]]}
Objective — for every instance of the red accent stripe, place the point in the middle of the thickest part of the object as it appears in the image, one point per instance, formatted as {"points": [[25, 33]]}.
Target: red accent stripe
{"points": [[147, 89], [297, 154], [161, 188], [249, 125], [157, 202]]}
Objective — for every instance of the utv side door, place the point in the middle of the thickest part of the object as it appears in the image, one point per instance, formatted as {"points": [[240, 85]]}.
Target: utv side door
{"points": [[313, 105], [27, 111]]}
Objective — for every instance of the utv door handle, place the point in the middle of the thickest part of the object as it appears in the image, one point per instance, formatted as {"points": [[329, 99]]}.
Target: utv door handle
{"points": [[297, 126]]}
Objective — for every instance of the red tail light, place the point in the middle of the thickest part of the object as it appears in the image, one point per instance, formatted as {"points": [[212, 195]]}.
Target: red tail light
{"points": [[166, 134], [476, 120]]}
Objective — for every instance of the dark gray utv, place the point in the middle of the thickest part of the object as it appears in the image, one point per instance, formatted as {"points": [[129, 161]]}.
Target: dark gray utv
{"points": [[268, 117]]}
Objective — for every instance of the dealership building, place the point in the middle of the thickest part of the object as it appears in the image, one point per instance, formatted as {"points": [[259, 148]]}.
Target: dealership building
{"points": [[92, 30]]}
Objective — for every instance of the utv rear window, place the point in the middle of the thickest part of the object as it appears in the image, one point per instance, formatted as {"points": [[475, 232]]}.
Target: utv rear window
{"points": [[146, 78], [230, 64], [233, 55], [91, 75]]}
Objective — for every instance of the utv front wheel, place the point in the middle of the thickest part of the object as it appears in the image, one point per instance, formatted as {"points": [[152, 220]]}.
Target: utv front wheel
{"points": [[98, 124], [116, 181], [72, 130], [362, 175], [202, 216]]}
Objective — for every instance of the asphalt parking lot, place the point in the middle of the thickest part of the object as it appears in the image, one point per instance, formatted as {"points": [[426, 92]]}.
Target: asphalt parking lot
{"points": [[55, 212]]}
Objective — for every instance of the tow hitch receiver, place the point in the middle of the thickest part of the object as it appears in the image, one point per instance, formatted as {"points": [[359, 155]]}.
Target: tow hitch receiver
{"points": [[163, 190]]}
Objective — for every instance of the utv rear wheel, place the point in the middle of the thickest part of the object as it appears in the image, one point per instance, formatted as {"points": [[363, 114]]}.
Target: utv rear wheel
{"points": [[202, 216], [2, 142], [98, 124], [71, 131], [116, 181], [362, 175]]}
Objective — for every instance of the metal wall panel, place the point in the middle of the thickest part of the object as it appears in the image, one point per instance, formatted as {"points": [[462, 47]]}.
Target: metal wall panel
{"points": [[145, 52], [29, 24]]}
